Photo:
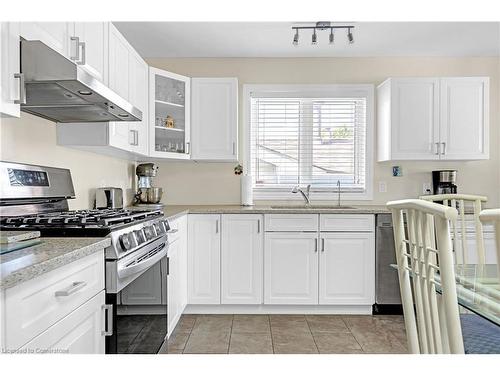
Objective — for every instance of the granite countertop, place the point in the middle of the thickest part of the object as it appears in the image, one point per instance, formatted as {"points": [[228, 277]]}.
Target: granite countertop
{"points": [[22, 265], [172, 212]]}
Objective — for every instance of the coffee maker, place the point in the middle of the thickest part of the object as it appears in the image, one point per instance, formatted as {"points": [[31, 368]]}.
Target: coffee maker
{"points": [[147, 196], [444, 182]]}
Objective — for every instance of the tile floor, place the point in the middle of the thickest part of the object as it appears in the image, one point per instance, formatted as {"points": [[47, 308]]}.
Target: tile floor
{"points": [[288, 334]]}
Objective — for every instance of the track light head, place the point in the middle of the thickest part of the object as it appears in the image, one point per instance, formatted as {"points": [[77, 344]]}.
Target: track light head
{"points": [[331, 36], [296, 38], [350, 37], [314, 39]]}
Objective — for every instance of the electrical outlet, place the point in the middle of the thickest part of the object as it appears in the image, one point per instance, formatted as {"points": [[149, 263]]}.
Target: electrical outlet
{"points": [[382, 187], [426, 188]]}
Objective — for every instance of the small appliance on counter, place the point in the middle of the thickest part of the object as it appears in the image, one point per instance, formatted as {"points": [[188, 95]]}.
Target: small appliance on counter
{"points": [[108, 197], [147, 196], [444, 182]]}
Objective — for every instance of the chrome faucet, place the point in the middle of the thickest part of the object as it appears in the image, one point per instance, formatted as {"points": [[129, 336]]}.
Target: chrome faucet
{"points": [[305, 195], [338, 190]]}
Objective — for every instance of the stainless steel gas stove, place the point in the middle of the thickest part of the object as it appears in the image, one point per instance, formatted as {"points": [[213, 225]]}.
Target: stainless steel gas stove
{"points": [[36, 198]]}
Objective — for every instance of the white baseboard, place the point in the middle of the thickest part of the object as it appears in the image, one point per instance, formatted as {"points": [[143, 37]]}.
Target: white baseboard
{"points": [[278, 309]]}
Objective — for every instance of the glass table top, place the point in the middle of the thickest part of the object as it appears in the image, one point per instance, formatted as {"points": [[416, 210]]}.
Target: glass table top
{"points": [[478, 289]]}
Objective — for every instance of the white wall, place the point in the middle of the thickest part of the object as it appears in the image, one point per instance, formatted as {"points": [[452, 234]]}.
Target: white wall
{"points": [[208, 183], [32, 140]]}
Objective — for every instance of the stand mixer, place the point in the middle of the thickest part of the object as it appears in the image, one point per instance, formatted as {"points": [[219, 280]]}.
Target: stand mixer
{"points": [[147, 195]]}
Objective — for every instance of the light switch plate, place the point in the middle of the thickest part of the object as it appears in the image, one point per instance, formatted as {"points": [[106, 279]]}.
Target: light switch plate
{"points": [[382, 187]]}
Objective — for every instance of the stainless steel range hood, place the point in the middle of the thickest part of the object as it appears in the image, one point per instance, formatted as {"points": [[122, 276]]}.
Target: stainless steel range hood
{"points": [[59, 90]]}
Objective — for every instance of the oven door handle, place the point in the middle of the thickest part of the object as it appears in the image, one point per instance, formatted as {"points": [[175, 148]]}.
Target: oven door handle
{"points": [[125, 271]]}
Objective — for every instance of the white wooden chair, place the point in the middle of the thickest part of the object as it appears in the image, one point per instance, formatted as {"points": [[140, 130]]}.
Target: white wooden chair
{"points": [[459, 228], [432, 322], [493, 216]]}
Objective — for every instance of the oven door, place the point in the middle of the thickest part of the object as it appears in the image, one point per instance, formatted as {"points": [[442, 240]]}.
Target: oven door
{"points": [[140, 321]]}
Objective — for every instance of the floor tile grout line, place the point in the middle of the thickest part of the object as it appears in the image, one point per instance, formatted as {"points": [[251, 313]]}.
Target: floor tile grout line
{"points": [[189, 336], [352, 334], [230, 334], [310, 331]]}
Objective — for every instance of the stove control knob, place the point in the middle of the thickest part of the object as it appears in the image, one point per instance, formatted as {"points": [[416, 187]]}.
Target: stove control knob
{"points": [[139, 236], [166, 225], [125, 241], [149, 232], [159, 228]]}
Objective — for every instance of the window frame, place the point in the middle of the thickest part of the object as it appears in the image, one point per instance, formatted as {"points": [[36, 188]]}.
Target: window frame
{"points": [[311, 90]]}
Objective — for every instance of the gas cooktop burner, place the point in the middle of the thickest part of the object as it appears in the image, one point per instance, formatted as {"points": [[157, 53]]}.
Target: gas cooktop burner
{"points": [[103, 220]]}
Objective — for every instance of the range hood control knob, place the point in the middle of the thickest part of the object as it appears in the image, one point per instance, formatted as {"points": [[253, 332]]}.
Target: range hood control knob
{"points": [[125, 241]]}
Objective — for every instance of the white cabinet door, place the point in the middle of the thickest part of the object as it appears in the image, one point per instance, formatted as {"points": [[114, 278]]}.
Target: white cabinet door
{"points": [[242, 259], [347, 269], [10, 69], [138, 96], [145, 290], [464, 118], [182, 227], [94, 48], [214, 118], [415, 118], [204, 259], [54, 34], [173, 295], [80, 332], [291, 268], [169, 103]]}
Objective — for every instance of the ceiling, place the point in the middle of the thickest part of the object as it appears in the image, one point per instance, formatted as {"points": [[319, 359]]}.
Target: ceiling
{"points": [[274, 39]]}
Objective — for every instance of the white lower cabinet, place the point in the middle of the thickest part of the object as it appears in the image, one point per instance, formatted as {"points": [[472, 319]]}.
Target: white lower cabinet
{"points": [[242, 259], [80, 332], [291, 268], [145, 290], [204, 259], [346, 268]]}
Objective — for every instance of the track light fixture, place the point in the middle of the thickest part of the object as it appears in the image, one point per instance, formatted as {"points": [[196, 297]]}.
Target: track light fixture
{"points": [[296, 38], [322, 26], [350, 38]]}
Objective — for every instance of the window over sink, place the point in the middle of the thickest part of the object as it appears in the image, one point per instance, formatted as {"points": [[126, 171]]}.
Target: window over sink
{"points": [[309, 134]]}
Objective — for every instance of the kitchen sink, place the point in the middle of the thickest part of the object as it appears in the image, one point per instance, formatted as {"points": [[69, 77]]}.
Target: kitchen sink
{"points": [[312, 207]]}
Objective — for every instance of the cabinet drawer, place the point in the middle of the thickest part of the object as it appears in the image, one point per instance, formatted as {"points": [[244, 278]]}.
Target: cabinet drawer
{"points": [[33, 306], [346, 223], [80, 332], [291, 223]]}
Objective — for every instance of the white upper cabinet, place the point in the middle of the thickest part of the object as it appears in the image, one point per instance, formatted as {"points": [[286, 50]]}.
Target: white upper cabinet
{"points": [[56, 35], [169, 115], [464, 118], [433, 118], [89, 45], [241, 259], [214, 119], [11, 90]]}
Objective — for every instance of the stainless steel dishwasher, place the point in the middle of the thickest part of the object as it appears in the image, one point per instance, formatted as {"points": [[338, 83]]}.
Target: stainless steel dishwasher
{"points": [[387, 296]]}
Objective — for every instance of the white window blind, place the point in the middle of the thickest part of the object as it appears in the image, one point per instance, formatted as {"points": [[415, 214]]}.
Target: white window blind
{"points": [[300, 141]]}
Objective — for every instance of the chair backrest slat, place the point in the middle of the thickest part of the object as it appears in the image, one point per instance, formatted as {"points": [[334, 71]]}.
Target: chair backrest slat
{"points": [[424, 252]]}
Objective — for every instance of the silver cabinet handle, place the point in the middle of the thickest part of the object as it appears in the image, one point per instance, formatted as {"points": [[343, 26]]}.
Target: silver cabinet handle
{"points": [[172, 231], [73, 288], [315, 245], [217, 226], [131, 134], [108, 329], [258, 226], [84, 54], [77, 48], [234, 148], [22, 89], [444, 148], [322, 245], [187, 147], [136, 137], [437, 148]]}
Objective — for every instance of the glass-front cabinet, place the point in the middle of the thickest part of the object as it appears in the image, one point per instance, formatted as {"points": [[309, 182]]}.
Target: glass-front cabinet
{"points": [[169, 114]]}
